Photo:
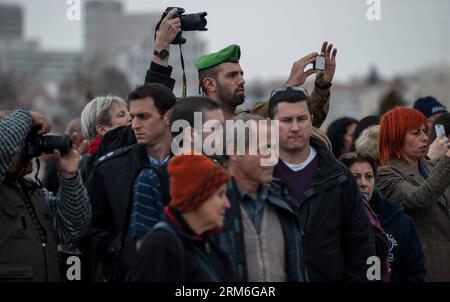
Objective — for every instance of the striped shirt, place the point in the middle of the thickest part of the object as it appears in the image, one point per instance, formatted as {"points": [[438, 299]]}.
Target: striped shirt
{"points": [[147, 208], [70, 207]]}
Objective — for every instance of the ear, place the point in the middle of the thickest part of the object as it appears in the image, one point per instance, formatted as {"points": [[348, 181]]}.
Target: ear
{"points": [[101, 130], [210, 84], [167, 116]]}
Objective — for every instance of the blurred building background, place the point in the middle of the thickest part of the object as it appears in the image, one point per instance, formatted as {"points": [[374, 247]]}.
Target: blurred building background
{"points": [[117, 51]]}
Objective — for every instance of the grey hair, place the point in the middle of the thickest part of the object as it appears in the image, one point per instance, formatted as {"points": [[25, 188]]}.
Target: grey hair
{"points": [[96, 112], [367, 143]]}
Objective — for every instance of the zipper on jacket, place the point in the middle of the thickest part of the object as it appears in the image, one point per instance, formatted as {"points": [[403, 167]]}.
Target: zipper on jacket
{"points": [[45, 261]]}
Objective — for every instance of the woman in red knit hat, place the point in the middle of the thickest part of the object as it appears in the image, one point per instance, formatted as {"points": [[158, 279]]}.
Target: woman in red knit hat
{"points": [[178, 249]]}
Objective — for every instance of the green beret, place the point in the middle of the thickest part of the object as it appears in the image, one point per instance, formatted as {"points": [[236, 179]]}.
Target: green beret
{"points": [[230, 53]]}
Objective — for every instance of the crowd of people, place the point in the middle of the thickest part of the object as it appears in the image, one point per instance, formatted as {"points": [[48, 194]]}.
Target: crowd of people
{"points": [[137, 211]]}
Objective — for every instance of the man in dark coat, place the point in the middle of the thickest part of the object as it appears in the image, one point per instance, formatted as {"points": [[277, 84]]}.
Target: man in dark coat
{"points": [[337, 238]]}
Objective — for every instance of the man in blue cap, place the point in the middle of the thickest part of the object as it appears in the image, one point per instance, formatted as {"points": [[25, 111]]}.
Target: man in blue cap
{"points": [[222, 79], [431, 108]]}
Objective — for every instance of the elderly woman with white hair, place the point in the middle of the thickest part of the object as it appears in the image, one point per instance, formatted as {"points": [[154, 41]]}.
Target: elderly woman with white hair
{"points": [[101, 115]]}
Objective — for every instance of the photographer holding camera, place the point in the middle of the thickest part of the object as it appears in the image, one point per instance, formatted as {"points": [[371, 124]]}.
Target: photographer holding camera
{"points": [[33, 221]]}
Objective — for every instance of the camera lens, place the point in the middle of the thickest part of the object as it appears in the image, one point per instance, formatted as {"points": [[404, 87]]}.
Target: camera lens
{"points": [[191, 22], [51, 142]]}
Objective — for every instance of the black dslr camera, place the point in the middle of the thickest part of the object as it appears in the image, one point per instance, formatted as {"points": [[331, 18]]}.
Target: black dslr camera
{"points": [[36, 144], [189, 22]]}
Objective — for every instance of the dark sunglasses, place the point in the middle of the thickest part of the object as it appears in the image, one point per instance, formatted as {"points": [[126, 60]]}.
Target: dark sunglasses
{"points": [[283, 89]]}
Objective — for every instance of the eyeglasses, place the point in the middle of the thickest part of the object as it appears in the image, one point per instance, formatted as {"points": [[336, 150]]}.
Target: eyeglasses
{"points": [[283, 89]]}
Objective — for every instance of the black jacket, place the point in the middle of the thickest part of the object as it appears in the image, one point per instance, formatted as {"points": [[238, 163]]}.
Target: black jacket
{"points": [[337, 235], [114, 139], [173, 253], [109, 187], [406, 258]]}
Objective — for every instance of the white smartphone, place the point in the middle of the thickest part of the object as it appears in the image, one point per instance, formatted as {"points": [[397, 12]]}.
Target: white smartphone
{"points": [[440, 130], [319, 63]]}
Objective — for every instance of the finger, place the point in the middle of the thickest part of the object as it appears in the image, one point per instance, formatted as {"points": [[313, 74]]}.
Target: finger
{"points": [[45, 127], [324, 47], [307, 57], [320, 74], [57, 154], [171, 13], [83, 147], [309, 61], [309, 72], [75, 137], [329, 48], [333, 55]]}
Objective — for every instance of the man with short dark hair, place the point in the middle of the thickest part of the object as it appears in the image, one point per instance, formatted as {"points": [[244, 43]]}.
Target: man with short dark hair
{"points": [[337, 236], [119, 174]]}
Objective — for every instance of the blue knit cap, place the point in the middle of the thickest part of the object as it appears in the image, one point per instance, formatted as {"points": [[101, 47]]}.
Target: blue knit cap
{"points": [[429, 106]]}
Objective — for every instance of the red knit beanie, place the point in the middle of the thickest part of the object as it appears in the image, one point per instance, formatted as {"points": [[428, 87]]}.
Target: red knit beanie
{"points": [[193, 179]]}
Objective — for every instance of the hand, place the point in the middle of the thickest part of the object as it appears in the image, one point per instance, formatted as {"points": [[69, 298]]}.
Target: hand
{"points": [[76, 139], [298, 74], [40, 119], [67, 165], [439, 147], [326, 76], [168, 30]]}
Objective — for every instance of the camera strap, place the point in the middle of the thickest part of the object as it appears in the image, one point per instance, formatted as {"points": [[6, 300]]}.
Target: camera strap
{"points": [[184, 74]]}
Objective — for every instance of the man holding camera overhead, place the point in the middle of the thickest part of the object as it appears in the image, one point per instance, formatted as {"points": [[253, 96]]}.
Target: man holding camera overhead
{"points": [[33, 221]]}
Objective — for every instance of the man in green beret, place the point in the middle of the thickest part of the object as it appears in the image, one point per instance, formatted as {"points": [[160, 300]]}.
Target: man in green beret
{"points": [[222, 80]]}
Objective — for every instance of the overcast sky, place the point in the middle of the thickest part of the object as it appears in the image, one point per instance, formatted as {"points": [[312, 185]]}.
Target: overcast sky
{"points": [[273, 34]]}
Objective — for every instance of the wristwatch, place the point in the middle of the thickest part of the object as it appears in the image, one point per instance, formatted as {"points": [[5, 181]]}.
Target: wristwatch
{"points": [[162, 54], [323, 86]]}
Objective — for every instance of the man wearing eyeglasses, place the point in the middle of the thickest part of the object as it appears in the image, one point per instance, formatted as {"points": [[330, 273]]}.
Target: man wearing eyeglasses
{"points": [[337, 236], [222, 80]]}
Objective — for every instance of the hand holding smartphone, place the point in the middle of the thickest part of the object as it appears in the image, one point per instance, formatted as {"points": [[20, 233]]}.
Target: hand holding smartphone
{"points": [[440, 130]]}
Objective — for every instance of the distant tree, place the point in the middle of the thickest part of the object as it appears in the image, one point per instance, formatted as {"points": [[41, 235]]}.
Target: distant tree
{"points": [[111, 81], [390, 100], [9, 91]]}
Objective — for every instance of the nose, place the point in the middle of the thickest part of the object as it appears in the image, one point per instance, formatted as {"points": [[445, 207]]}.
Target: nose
{"points": [[363, 182], [135, 123], [226, 203], [295, 125], [241, 80], [424, 135]]}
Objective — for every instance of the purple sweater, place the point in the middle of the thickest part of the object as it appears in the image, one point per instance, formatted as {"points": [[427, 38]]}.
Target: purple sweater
{"points": [[296, 181]]}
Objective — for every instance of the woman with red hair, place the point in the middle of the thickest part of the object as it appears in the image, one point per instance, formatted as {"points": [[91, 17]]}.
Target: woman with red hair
{"points": [[421, 187]]}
